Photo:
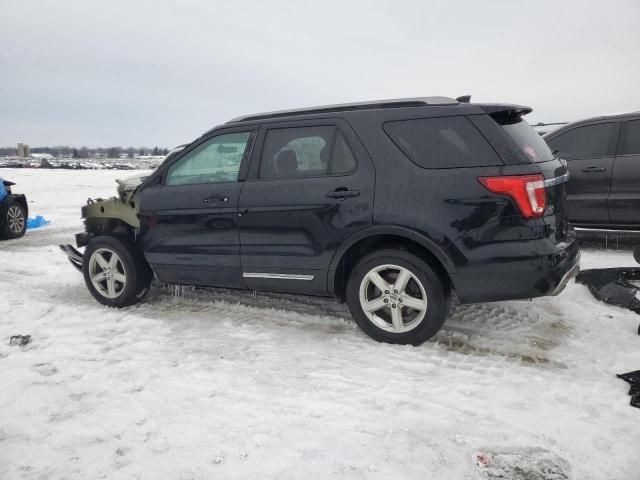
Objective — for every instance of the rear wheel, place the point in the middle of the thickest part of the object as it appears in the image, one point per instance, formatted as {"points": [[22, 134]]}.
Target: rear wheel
{"points": [[14, 219], [115, 271], [396, 297]]}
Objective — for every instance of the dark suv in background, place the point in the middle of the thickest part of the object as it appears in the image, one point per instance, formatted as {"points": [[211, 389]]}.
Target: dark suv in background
{"points": [[603, 154], [390, 205]]}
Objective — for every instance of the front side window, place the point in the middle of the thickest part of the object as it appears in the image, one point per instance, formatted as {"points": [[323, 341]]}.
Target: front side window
{"points": [[216, 160], [305, 152], [630, 138], [590, 141], [443, 142]]}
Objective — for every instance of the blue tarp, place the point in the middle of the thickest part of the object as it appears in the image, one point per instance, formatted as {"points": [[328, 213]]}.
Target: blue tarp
{"points": [[37, 222]]}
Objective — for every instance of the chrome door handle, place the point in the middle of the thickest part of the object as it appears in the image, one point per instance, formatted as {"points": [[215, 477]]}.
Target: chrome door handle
{"points": [[340, 193], [215, 197]]}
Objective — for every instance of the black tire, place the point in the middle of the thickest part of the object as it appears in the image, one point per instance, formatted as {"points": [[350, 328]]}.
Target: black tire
{"points": [[438, 299], [14, 219], [132, 265]]}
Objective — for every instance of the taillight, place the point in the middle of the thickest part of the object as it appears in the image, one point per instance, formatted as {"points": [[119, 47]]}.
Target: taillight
{"points": [[527, 191]]}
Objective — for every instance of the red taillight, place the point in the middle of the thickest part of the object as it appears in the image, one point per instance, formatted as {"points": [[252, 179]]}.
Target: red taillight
{"points": [[527, 191]]}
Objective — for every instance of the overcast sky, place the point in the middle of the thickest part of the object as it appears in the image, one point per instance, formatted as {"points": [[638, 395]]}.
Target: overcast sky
{"points": [[127, 72]]}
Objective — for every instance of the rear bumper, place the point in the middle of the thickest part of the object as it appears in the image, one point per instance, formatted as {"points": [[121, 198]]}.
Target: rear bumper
{"points": [[567, 276], [508, 277]]}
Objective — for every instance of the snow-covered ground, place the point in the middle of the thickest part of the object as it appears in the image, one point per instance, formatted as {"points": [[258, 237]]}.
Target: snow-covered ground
{"points": [[227, 385]]}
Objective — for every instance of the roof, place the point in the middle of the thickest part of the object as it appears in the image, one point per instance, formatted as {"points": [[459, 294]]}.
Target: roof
{"points": [[347, 107]]}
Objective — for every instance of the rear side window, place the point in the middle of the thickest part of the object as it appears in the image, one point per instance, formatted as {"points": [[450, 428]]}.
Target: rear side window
{"points": [[630, 138], [305, 152], [590, 141], [444, 142]]}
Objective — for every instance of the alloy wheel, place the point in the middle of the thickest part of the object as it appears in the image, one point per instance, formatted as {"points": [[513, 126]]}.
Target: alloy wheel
{"points": [[15, 219], [393, 298], [107, 273]]}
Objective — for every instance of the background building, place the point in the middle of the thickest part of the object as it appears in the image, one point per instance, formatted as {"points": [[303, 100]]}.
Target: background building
{"points": [[23, 150]]}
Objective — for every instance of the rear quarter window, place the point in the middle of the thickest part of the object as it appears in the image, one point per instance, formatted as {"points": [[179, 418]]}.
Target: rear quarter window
{"points": [[442, 142], [532, 144]]}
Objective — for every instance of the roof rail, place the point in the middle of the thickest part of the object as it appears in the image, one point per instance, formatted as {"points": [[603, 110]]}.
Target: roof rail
{"points": [[347, 107]]}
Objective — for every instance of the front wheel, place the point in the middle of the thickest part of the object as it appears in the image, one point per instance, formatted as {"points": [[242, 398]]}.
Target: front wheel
{"points": [[396, 297], [115, 271], [14, 219]]}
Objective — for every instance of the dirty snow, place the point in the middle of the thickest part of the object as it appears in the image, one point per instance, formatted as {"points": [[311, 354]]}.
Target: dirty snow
{"points": [[215, 384]]}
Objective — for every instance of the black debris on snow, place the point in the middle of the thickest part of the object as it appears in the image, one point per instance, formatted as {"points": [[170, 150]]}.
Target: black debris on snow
{"points": [[633, 378], [613, 286], [19, 340]]}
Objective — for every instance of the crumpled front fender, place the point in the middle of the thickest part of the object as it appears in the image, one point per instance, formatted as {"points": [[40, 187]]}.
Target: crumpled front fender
{"points": [[112, 208]]}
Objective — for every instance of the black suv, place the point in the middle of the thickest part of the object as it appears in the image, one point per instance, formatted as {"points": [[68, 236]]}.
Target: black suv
{"points": [[603, 154], [390, 205]]}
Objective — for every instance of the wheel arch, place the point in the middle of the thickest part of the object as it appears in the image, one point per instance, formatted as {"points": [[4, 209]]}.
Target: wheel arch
{"points": [[109, 226], [382, 237], [18, 198]]}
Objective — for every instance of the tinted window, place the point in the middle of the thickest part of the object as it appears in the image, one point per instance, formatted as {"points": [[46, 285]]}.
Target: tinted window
{"points": [[534, 147], [343, 160], [305, 152], [630, 138], [446, 142], [216, 160], [590, 141]]}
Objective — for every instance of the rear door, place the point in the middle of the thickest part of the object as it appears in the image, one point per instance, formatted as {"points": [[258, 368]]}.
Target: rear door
{"points": [[589, 152], [624, 200], [189, 220], [310, 188]]}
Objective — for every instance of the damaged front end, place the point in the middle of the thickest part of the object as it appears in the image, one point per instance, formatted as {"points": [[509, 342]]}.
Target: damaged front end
{"points": [[74, 256], [115, 215]]}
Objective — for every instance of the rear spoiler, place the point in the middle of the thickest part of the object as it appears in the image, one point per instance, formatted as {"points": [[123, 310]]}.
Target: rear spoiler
{"points": [[505, 114]]}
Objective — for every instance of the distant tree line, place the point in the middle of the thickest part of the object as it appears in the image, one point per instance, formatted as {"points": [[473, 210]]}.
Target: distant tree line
{"points": [[86, 152]]}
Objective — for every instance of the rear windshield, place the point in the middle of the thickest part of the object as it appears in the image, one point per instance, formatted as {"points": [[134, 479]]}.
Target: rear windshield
{"points": [[531, 143]]}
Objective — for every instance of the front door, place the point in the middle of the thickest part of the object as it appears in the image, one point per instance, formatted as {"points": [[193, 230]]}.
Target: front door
{"points": [[624, 201], [189, 221], [310, 189], [589, 151]]}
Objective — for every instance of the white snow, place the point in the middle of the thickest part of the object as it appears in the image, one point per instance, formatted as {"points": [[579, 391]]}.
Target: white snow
{"points": [[228, 385]]}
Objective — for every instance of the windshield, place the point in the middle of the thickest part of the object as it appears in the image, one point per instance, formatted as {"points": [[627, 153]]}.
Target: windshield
{"points": [[532, 144]]}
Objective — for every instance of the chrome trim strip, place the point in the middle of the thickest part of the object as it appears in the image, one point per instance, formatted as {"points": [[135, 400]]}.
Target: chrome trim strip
{"points": [[278, 276], [606, 230], [573, 271], [557, 180]]}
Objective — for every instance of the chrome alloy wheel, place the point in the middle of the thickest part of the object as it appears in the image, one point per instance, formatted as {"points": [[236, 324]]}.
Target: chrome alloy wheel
{"points": [[15, 219], [393, 298], [107, 273]]}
